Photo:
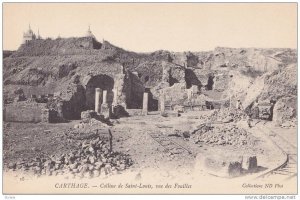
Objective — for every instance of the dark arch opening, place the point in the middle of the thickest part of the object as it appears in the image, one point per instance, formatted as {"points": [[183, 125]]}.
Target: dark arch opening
{"points": [[191, 79], [152, 102], [210, 83], [102, 81]]}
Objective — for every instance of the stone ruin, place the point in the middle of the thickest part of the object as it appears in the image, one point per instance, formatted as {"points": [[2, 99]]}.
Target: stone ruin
{"points": [[106, 93], [75, 67]]}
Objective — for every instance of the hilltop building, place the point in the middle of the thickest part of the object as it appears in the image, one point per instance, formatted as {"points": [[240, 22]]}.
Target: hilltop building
{"points": [[29, 35], [89, 33]]}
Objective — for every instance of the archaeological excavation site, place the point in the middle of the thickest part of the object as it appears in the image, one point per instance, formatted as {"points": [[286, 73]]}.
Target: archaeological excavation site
{"points": [[80, 108]]}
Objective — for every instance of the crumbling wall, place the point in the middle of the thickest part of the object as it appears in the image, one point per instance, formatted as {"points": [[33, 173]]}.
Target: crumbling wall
{"points": [[134, 90], [73, 101], [24, 112], [150, 73], [191, 60], [120, 90], [65, 69], [186, 59], [172, 73], [176, 94], [221, 82]]}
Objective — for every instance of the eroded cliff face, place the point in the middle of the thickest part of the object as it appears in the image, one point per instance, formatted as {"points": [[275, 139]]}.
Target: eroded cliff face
{"points": [[237, 73]]}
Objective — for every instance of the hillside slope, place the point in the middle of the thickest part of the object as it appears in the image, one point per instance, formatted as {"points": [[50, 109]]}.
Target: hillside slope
{"points": [[50, 65]]}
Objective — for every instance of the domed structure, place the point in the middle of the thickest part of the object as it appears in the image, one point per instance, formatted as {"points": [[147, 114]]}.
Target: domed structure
{"points": [[89, 33], [28, 36]]}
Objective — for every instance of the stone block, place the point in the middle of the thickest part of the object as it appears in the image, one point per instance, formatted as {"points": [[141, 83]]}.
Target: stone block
{"points": [[250, 163], [105, 110], [219, 165], [170, 114], [45, 115], [88, 114], [179, 109], [119, 111]]}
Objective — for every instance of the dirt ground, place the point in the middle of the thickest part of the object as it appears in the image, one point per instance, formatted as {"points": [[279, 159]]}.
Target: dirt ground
{"points": [[132, 136]]}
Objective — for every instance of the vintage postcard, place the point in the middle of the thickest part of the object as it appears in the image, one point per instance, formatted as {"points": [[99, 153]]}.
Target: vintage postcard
{"points": [[150, 98]]}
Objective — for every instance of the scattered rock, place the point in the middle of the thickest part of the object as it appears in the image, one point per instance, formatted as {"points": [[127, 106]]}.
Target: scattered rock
{"points": [[89, 157]]}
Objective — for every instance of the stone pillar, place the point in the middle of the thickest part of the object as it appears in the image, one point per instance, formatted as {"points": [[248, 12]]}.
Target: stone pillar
{"points": [[105, 110], [189, 94], [45, 115], [145, 103], [97, 99], [115, 101], [60, 113], [4, 113], [162, 104], [104, 97]]}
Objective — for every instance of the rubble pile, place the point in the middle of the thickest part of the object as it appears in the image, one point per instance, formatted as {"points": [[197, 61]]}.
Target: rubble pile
{"points": [[228, 115], [223, 135], [91, 157]]}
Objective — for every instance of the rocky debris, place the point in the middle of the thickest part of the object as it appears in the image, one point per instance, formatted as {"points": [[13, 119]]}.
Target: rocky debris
{"points": [[92, 157], [19, 91], [281, 83], [80, 125], [90, 123], [171, 114], [88, 114], [226, 115], [224, 134], [285, 110], [95, 122], [179, 109], [19, 95]]}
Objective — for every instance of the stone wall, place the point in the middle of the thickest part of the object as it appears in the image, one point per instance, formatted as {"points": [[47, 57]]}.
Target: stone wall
{"points": [[24, 112], [73, 101], [134, 90], [221, 82]]}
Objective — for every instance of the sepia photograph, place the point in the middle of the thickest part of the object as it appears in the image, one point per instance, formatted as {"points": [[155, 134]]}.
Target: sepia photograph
{"points": [[149, 98]]}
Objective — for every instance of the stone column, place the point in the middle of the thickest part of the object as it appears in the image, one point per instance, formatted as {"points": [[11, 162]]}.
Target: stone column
{"points": [[145, 103], [97, 99], [162, 104], [105, 110], [104, 97], [115, 101], [189, 94], [45, 115]]}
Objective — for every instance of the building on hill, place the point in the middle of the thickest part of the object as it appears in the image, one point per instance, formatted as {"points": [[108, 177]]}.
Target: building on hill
{"points": [[28, 36], [89, 33], [38, 35]]}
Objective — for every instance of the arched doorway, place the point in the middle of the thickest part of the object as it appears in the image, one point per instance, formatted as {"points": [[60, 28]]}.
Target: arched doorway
{"points": [[102, 81]]}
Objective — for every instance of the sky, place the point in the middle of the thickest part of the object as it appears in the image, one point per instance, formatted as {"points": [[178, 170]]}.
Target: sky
{"points": [[146, 27]]}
